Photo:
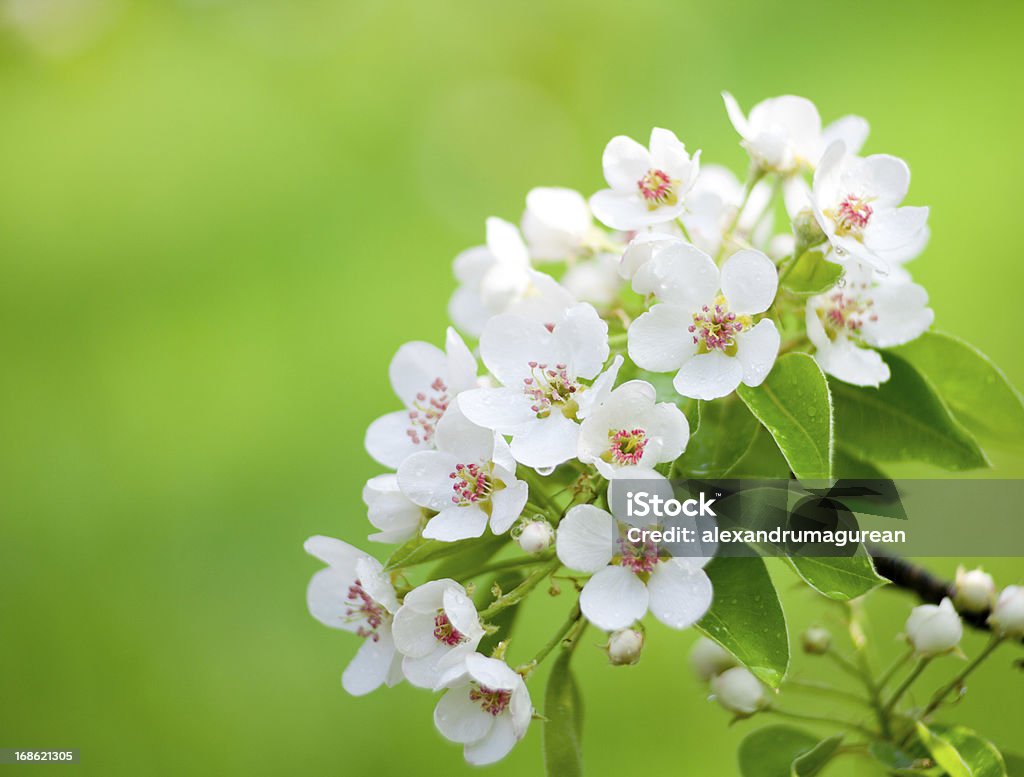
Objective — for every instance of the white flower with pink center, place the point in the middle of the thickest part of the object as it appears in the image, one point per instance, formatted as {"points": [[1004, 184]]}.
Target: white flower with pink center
{"points": [[630, 430], [865, 311], [354, 594], [704, 329], [543, 371], [435, 629], [648, 186], [497, 278], [426, 380], [558, 226], [390, 511], [469, 480], [486, 709], [856, 202], [629, 578]]}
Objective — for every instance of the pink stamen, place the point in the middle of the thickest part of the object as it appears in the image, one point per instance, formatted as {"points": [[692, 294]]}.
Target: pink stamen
{"points": [[365, 609], [638, 556], [472, 484], [656, 187], [446, 633], [426, 411], [627, 446], [549, 387], [715, 327], [854, 214], [490, 700]]}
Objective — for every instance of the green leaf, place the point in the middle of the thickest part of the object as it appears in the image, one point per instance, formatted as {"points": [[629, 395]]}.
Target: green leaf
{"points": [[907, 762], [812, 274], [850, 467], [902, 419], [746, 618], [563, 708], [977, 391], [839, 577], [770, 751], [762, 460], [815, 759], [725, 434], [1014, 764], [419, 550], [961, 752], [794, 405]]}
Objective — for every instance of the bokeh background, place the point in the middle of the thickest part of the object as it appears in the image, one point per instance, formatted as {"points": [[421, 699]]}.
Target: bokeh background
{"points": [[219, 218]]}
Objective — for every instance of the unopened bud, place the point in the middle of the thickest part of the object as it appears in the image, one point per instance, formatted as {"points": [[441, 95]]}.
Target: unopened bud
{"points": [[934, 629], [708, 659], [536, 536], [807, 230], [739, 691], [1007, 616], [624, 646], [816, 640], [975, 590]]}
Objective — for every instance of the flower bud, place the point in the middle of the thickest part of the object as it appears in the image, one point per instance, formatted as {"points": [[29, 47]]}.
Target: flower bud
{"points": [[536, 536], [975, 590], [1007, 616], [934, 629], [708, 659], [807, 230], [739, 691], [624, 646], [816, 640]]}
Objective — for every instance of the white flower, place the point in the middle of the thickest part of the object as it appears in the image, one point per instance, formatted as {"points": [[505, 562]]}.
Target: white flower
{"points": [[497, 278], [1008, 615], [390, 510], [975, 590], [857, 204], [630, 430], [708, 659], [934, 629], [435, 629], [542, 398], [648, 186], [862, 312], [557, 224], [711, 210], [709, 337], [642, 249], [594, 280], [426, 379], [469, 480], [535, 536], [624, 646], [629, 578], [486, 708], [739, 691], [353, 594]]}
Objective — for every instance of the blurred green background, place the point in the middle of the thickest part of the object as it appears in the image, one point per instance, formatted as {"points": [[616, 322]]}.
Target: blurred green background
{"points": [[219, 218]]}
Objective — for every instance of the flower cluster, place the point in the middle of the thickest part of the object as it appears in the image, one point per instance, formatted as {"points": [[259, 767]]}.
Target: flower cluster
{"points": [[600, 324]]}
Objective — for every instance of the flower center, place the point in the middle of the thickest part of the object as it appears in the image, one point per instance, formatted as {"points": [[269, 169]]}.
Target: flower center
{"points": [[852, 215], [626, 446], [551, 389], [364, 608], [445, 633], [714, 327], [472, 483], [638, 557], [427, 409], [843, 312], [657, 189], [490, 701]]}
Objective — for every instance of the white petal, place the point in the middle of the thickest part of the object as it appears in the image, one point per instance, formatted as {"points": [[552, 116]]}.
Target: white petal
{"points": [[852, 130], [467, 441], [434, 669], [370, 667], [376, 583], [504, 242], [600, 389], [509, 343], [326, 597], [625, 162], [547, 442], [555, 221], [461, 719], [413, 631], [507, 505], [468, 311], [461, 367], [679, 273], [388, 442], [492, 672], [627, 211], [456, 523], [641, 250], [673, 430], [669, 154], [902, 315], [659, 340], [332, 552], [505, 410], [756, 350], [749, 282], [584, 335], [585, 540], [543, 301], [826, 177], [709, 376], [882, 177], [424, 478], [498, 742], [414, 367], [680, 594], [842, 359], [890, 230], [739, 121], [462, 614], [614, 598], [472, 264], [429, 597]]}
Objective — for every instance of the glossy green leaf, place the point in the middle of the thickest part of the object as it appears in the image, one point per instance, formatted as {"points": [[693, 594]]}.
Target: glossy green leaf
{"points": [[815, 759], [903, 419], [770, 751], [746, 618], [812, 274], [961, 752], [849, 466], [977, 391], [725, 434], [563, 708], [1014, 764], [794, 405], [762, 460], [419, 550], [839, 577]]}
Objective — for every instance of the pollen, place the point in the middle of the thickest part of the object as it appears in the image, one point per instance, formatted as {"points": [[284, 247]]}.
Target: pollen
{"points": [[494, 702], [626, 446], [426, 411], [657, 189], [364, 608], [445, 632], [472, 484], [852, 215], [715, 327], [551, 388]]}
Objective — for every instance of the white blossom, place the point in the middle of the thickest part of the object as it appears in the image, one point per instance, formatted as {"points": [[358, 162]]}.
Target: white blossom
{"points": [[739, 691], [624, 646], [396, 516], [934, 629], [975, 590], [708, 658], [1007, 616], [558, 225]]}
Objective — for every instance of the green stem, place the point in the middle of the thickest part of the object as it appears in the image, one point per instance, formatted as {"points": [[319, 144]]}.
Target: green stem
{"points": [[893, 669], [839, 693], [845, 664], [500, 566], [905, 685], [538, 491], [875, 693], [518, 593], [943, 692], [560, 636], [823, 719], [755, 175]]}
